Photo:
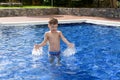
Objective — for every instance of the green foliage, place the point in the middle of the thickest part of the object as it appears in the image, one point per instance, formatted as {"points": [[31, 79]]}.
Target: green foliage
{"points": [[61, 3], [67, 3], [47, 2], [27, 2], [2, 0], [118, 4], [58, 3], [73, 3]]}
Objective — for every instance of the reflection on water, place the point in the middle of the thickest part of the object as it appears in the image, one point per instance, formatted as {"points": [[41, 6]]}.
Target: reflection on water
{"points": [[97, 56]]}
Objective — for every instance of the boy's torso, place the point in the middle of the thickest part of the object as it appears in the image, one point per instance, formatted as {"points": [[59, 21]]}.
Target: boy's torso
{"points": [[54, 40]]}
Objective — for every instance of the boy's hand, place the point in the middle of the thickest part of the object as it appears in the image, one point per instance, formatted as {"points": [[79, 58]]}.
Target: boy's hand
{"points": [[71, 45], [36, 46]]}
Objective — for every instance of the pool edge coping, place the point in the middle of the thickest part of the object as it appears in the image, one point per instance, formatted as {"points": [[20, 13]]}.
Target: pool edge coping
{"points": [[93, 21]]}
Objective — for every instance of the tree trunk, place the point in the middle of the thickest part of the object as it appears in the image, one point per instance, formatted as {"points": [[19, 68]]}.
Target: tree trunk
{"points": [[110, 3], [114, 3], [35, 2], [69, 3]]}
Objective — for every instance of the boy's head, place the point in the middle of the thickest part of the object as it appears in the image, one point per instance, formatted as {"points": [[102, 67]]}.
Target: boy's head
{"points": [[53, 24], [53, 21]]}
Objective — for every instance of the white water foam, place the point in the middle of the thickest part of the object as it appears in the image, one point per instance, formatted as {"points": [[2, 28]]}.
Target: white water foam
{"points": [[69, 51], [37, 52]]}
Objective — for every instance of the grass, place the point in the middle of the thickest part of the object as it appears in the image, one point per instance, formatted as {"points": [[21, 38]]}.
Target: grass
{"points": [[37, 7], [26, 7]]}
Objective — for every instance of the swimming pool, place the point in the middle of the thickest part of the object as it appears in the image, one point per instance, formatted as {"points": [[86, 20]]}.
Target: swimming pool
{"points": [[97, 57]]}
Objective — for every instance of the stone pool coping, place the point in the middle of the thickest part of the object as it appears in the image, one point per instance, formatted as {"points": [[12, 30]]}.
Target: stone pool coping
{"points": [[21, 21]]}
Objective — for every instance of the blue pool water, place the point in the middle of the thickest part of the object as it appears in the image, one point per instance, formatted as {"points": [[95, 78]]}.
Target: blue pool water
{"points": [[97, 57]]}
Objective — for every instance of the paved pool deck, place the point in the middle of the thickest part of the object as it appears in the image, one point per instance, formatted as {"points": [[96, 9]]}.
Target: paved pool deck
{"points": [[45, 18]]}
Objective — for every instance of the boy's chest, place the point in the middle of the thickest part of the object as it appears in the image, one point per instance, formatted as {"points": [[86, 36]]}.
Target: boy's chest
{"points": [[54, 36]]}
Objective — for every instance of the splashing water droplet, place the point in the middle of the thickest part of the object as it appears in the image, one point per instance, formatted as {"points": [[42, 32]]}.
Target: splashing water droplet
{"points": [[69, 51], [37, 52]]}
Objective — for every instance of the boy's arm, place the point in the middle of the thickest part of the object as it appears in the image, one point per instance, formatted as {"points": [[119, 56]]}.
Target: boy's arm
{"points": [[65, 40], [43, 43]]}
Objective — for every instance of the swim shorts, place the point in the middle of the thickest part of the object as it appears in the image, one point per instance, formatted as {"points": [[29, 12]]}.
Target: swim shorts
{"points": [[54, 53]]}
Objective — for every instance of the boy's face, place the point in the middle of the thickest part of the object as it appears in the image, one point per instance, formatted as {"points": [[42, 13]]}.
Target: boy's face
{"points": [[53, 27]]}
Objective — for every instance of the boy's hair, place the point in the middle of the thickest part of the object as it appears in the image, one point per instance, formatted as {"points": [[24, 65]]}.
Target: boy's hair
{"points": [[53, 21]]}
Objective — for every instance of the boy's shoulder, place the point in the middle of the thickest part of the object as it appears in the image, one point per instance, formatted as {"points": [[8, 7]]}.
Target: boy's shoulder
{"points": [[47, 32], [58, 31]]}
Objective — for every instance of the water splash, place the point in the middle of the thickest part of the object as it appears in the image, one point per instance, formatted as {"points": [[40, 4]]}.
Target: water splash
{"points": [[38, 52], [69, 51]]}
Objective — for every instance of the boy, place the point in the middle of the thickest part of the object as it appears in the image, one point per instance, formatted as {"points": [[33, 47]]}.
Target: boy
{"points": [[53, 38]]}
